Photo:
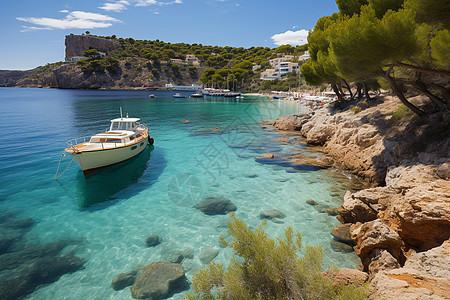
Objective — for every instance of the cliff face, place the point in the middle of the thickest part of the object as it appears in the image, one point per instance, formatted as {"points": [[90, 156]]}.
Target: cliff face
{"points": [[77, 44], [129, 73], [10, 78], [410, 212]]}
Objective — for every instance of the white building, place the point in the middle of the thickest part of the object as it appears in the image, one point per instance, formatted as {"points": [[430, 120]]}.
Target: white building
{"points": [[305, 56], [77, 58], [270, 74]]}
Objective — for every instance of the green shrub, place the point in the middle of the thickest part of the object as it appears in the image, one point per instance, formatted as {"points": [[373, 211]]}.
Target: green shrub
{"points": [[268, 269], [355, 109], [401, 113]]}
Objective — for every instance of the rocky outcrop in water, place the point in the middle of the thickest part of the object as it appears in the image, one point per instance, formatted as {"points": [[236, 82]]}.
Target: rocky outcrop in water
{"points": [[216, 206], [159, 280], [409, 211]]}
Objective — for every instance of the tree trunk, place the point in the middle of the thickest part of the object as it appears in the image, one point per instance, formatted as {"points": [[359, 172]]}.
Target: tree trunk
{"points": [[349, 89], [339, 86], [444, 92], [401, 96], [366, 90], [423, 70], [336, 91], [358, 91]]}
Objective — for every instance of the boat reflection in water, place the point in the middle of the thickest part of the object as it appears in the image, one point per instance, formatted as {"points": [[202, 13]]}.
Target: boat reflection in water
{"points": [[105, 184]]}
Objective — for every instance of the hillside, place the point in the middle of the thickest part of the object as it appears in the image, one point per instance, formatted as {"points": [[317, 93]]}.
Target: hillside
{"points": [[129, 63]]}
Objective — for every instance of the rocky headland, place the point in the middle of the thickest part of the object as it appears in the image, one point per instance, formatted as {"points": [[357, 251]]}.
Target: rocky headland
{"points": [[400, 225]]}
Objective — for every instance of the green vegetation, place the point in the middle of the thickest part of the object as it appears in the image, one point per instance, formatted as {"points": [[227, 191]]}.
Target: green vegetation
{"points": [[226, 66], [403, 43], [268, 269], [400, 114], [355, 109]]}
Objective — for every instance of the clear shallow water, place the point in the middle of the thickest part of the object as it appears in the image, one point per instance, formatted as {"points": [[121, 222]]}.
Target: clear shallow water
{"points": [[113, 211]]}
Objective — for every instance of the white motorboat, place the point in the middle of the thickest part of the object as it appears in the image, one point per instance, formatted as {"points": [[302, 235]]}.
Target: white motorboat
{"points": [[126, 138], [178, 95]]}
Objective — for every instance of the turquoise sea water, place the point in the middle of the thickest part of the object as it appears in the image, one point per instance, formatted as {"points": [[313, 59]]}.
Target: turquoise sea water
{"points": [[110, 213]]}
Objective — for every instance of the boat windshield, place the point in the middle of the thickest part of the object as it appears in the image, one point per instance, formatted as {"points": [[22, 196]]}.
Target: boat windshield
{"points": [[122, 125]]}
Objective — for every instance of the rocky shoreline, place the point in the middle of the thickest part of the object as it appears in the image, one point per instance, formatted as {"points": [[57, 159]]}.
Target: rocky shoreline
{"points": [[400, 226]]}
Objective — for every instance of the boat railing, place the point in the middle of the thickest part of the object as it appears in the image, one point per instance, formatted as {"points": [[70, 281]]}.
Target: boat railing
{"points": [[73, 142], [141, 126]]}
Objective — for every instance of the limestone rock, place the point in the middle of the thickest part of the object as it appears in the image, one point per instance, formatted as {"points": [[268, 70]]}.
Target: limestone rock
{"points": [[291, 122], [268, 155], [270, 214], [76, 45], [123, 280], [374, 235], [420, 210], [443, 171], [311, 202], [354, 210], [338, 246], [153, 240], [342, 233], [346, 276], [382, 262], [208, 254], [424, 276], [159, 280], [216, 206]]}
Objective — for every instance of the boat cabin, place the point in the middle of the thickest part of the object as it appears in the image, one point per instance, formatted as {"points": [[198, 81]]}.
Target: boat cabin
{"points": [[123, 124], [122, 131]]}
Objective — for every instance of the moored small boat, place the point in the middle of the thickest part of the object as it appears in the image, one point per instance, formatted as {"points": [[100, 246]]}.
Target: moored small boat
{"points": [[152, 96], [178, 95], [197, 95], [126, 138]]}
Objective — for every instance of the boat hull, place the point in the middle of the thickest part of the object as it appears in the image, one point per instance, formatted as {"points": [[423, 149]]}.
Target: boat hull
{"points": [[91, 161]]}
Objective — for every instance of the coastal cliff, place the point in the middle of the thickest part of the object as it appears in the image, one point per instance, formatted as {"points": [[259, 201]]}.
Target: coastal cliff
{"points": [[128, 73], [404, 219], [76, 45]]}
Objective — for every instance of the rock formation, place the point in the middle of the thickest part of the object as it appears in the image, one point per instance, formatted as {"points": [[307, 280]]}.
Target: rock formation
{"points": [[76, 45], [216, 206], [408, 208], [159, 280]]}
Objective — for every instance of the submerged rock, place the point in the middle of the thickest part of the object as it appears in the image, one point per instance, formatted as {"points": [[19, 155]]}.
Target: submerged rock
{"points": [[123, 280], [311, 202], [159, 280], [271, 214], [216, 206], [340, 247], [188, 253], [208, 254], [153, 240], [25, 279]]}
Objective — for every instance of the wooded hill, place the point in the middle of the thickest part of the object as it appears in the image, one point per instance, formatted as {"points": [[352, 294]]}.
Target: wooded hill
{"points": [[145, 63], [396, 44]]}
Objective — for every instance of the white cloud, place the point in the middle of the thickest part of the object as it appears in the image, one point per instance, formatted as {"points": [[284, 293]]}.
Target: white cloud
{"points": [[116, 6], [64, 11], [291, 37], [74, 20], [155, 2]]}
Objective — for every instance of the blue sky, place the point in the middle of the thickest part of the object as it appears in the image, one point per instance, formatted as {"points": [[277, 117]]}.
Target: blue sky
{"points": [[32, 32]]}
